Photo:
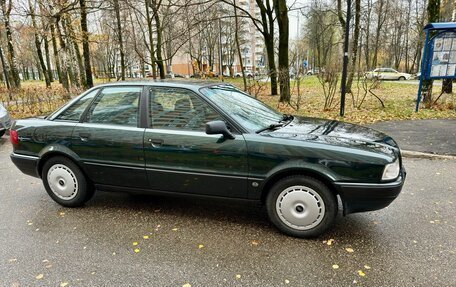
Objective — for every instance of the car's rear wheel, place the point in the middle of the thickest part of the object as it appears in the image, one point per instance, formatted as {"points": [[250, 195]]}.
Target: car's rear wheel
{"points": [[402, 78], [65, 183], [301, 206]]}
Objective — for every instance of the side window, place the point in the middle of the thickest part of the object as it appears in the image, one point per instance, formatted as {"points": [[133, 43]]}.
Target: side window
{"points": [[174, 108], [116, 106], [74, 112]]}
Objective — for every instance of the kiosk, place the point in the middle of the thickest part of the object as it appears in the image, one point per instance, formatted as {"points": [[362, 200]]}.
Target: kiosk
{"points": [[439, 55]]}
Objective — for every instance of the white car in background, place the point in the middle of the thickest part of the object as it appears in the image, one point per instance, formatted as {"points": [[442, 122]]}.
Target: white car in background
{"points": [[5, 120], [387, 74]]}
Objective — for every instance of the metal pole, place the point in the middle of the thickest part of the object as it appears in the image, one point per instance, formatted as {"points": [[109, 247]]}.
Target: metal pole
{"points": [[345, 63]]}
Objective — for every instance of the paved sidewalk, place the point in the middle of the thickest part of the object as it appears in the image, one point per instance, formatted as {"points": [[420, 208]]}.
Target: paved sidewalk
{"points": [[428, 136]]}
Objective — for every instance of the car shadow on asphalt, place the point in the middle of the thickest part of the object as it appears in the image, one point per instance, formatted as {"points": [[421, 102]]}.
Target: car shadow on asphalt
{"points": [[249, 214]]}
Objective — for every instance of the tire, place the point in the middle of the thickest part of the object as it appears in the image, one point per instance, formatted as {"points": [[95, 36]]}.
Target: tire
{"points": [[401, 78], [65, 183], [301, 206]]}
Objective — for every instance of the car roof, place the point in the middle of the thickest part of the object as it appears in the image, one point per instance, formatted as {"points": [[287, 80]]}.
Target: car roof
{"points": [[184, 83]]}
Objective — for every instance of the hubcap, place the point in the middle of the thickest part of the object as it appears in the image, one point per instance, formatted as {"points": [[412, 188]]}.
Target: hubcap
{"points": [[62, 181], [300, 207]]}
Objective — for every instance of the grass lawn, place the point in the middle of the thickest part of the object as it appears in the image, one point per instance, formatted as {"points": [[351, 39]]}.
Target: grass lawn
{"points": [[398, 97]]}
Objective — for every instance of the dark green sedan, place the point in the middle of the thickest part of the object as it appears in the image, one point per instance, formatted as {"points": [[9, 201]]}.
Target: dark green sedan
{"points": [[208, 139]]}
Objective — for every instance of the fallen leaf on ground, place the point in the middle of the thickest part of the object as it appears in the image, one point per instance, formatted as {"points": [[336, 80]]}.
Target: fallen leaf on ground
{"points": [[174, 229], [39, 276], [367, 267], [335, 266], [329, 242], [349, 250], [200, 246], [361, 273], [136, 250], [287, 281], [187, 285], [254, 242], [146, 236], [238, 276], [135, 243], [63, 284], [62, 213]]}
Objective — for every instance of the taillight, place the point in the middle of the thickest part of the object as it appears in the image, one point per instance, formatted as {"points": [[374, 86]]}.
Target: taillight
{"points": [[14, 138]]}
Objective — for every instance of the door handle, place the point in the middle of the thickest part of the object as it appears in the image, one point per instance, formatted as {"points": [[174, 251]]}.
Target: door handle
{"points": [[84, 136], [155, 142]]}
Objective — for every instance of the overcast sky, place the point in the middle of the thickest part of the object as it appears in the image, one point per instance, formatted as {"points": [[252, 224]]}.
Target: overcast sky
{"points": [[293, 16]]}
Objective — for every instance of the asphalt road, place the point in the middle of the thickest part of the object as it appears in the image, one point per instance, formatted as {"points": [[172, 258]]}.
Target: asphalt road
{"points": [[204, 243], [429, 136]]}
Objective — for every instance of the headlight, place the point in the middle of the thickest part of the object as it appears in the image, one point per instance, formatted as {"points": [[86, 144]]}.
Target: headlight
{"points": [[391, 171]]}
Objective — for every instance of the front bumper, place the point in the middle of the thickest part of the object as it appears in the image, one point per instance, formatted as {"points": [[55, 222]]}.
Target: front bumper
{"points": [[26, 163], [360, 197]]}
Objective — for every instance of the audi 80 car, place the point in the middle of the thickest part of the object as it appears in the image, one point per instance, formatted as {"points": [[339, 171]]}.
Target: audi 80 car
{"points": [[208, 139]]}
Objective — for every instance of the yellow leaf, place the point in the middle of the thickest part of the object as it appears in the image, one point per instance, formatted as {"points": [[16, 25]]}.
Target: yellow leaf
{"points": [[62, 213], [367, 267], [238, 276], [174, 229], [146, 236], [63, 284], [187, 285], [349, 250], [135, 243], [254, 242], [330, 241], [136, 250], [361, 273], [287, 281], [335, 266], [39, 276], [200, 246]]}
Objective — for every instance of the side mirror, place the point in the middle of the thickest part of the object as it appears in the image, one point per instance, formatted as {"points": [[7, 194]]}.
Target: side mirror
{"points": [[218, 127]]}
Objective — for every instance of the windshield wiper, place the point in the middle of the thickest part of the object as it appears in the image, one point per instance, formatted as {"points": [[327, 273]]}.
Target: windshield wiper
{"points": [[286, 119]]}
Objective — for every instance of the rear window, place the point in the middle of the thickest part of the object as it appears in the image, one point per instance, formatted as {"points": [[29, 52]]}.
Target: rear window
{"points": [[74, 112]]}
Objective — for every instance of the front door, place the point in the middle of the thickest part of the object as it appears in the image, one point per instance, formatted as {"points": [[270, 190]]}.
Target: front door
{"points": [[181, 157], [109, 141]]}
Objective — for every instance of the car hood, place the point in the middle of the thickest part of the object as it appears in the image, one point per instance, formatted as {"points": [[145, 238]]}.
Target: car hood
{"points": [[336, 133]]}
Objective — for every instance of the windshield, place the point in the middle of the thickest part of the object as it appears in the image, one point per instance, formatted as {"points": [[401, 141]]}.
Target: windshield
{"points": [[247, 111]]}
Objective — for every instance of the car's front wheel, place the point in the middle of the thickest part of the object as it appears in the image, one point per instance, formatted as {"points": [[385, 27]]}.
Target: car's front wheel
{"points": [[301, 206], [65, 183], [401, 78]]}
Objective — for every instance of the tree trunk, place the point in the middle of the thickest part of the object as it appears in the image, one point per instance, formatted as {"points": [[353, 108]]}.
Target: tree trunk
{"points": [[281, 10], [160, 65], [151, 39], [6, 9], [5, 69], [48, 59], [62, 54], [267, 19], [238, 46], [56, 53], [85, 46], [120, 39], [38, 47], [77, 52], [354, 54], [433, 10]]}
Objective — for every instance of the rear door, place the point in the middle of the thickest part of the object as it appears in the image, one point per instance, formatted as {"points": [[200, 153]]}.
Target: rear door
{"points": [[109, 140], [181, 157]]}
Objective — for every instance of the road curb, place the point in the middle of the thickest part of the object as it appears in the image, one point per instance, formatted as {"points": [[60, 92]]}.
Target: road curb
{"points": [[417, 154]]}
